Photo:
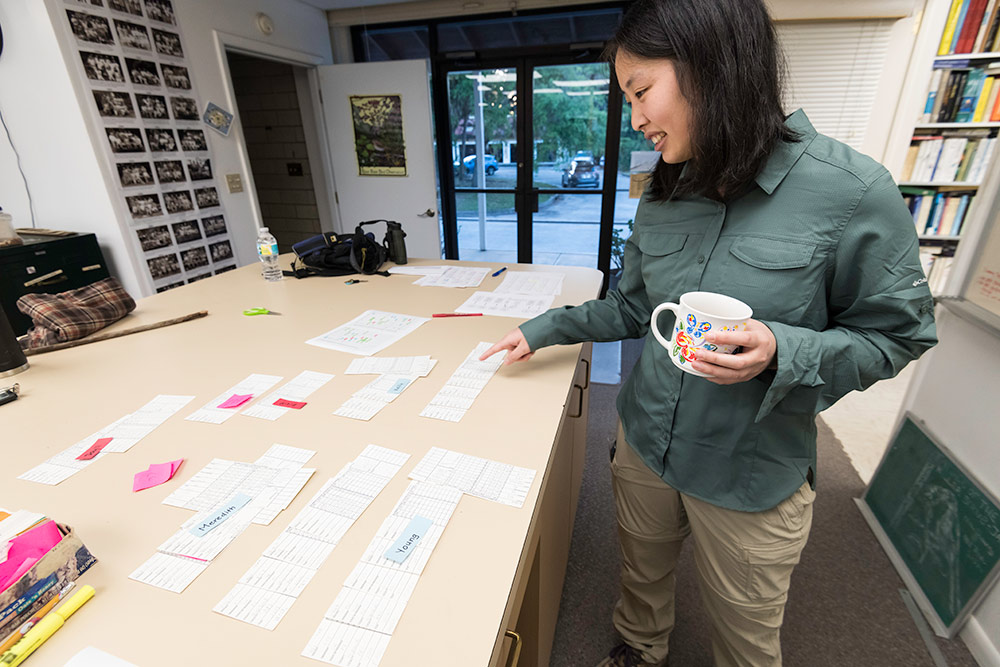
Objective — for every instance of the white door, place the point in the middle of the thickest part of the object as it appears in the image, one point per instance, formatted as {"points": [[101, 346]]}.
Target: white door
{"points": [[403, 198]]}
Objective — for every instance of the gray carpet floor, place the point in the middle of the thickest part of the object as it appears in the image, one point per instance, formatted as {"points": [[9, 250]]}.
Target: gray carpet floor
{"points": [[844, 608]]}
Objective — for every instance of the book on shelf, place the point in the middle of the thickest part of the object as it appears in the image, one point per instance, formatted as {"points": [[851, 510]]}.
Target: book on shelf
{"points": [[979, 163], [937, 213], [950, 159], [971, 27], [952, 95], [970, 95], [987, 98]]}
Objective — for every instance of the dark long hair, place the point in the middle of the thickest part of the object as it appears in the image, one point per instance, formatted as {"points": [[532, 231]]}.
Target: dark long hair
{"points": [[729, 68]]}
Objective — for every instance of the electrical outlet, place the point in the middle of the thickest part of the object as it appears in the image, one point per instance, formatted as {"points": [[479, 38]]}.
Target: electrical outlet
{"points": [[234, 182]]}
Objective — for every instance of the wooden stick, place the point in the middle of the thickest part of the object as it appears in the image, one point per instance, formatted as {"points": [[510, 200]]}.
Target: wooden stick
{"points": [[115, 334]]}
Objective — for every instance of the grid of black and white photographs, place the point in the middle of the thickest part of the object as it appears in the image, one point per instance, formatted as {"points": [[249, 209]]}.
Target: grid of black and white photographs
{"points": [[132, 57]]}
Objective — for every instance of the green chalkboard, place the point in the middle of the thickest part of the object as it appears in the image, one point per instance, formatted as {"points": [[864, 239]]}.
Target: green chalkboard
{"points": [[944, 529]]}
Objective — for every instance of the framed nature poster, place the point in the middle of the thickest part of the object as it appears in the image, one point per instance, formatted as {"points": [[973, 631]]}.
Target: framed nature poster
{"points": [[378, 134]]}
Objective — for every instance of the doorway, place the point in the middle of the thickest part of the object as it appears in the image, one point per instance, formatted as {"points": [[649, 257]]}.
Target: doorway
{"points": [[269, 98], [530, 151]]}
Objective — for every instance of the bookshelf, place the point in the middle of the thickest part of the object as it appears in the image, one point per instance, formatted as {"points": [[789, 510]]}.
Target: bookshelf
{"points": [[949, 123]]}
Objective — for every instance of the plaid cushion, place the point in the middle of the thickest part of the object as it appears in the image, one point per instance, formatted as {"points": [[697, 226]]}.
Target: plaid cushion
{"points": [[74, 314]]}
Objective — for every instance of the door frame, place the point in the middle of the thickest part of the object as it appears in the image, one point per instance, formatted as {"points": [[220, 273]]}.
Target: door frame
{"points": [[525, 195], [310, 107]]}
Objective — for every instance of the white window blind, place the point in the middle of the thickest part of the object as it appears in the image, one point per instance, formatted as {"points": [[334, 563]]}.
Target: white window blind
{"points": [[833, 72]]}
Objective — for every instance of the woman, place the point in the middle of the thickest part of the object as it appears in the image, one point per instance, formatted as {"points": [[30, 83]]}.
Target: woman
{"points": [[816, 239]]}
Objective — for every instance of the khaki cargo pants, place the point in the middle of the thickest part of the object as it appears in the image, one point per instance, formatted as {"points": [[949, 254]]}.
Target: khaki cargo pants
{"points": [[744, 564]]}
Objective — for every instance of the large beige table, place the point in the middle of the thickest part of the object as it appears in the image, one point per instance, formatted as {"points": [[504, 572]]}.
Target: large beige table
{"points": [[497, 568]]}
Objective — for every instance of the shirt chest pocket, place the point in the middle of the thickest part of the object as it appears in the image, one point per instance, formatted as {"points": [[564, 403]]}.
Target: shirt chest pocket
{"points": [[662, 270], [778, 279]]}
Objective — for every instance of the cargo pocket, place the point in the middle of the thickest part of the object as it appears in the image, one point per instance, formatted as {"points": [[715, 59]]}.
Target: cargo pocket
{"points": [[778, 279], [661, 269]]}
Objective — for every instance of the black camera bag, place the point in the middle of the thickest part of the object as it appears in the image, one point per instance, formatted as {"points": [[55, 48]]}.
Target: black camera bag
{"points": [[333, 254]]}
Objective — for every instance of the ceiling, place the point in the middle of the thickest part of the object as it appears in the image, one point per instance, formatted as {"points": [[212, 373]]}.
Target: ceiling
{"points": [[329, 5]]}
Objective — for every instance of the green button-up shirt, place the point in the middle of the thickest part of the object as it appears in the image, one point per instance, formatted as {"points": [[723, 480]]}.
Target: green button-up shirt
{"points": [[825, 252]]}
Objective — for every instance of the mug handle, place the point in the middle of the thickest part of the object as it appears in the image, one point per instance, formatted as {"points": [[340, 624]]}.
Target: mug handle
{"points": [[672, 307]]}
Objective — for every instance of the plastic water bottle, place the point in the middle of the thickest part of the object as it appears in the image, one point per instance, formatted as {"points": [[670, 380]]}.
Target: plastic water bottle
{"points": [[267, 250]]}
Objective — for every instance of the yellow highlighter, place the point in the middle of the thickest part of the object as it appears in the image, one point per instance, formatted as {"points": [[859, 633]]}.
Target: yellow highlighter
{"points": [[45, 628]]}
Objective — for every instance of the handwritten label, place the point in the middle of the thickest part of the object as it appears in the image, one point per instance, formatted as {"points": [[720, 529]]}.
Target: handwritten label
{"points": [[399, 386], [285, 403], [408, 539], [235, 401], [94, 449], [221, 514]]}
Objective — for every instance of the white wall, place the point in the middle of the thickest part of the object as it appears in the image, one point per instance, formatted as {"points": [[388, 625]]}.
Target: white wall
{"points": [[46, 126], [62, 148]]}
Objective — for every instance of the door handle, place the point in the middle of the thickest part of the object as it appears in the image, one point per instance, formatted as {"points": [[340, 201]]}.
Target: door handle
{"points": [[46, 279], [534, 200], [429, 213]]}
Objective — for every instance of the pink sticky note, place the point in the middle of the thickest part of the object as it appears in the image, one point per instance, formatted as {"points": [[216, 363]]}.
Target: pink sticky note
{"points": [[26, 549], [236, 400], [285, 403], [156, 474], [94, 449]]}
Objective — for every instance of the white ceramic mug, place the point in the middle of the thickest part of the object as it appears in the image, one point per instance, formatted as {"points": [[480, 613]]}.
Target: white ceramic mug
{"points": [[697, 314]]}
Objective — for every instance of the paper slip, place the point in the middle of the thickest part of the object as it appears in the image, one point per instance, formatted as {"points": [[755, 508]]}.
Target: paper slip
{"points": [[417, 270], [358, 625], [279, 469], [530, 282], [476, 476], [464, 385], [299, 389], [269, 588], [183, 556], [507, 305], [421, 366], [368, 333], [370, 399], [124, 434], [254, 384], [455, 276]]}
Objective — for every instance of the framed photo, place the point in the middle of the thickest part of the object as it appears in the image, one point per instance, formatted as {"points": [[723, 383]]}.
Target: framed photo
{"points": [[214, 225], [152, 107], [131, 174], [176, 76], [164, 288], [90, 28], [144, 206], [178, 202], [194, 258], [163, 266], [192, 140], [125, 140], [184, 108], [142, 72], [154, 238], [186, 231], [133, 7], [378, 134], [225, 268], [161, 140], [132, 35], [170, 171], [201, 276], [200, 169], [112, 104], [167, 43], [160, 10], [221, 251], [102, 67], [206, 197]]}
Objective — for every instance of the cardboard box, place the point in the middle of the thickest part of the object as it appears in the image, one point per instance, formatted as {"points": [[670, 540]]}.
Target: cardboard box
{"points": [[64, 563]]}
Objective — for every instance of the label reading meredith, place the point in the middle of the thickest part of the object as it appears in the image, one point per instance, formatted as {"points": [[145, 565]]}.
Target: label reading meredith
{"points": [[408, 539], [216, 518]]}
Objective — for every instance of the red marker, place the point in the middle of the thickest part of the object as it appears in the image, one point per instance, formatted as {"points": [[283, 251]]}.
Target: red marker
{"points": [[457, 315]]}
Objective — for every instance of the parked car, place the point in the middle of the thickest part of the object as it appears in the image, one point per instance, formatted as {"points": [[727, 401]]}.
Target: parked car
{"points": [[490, 163], [581, 173]]}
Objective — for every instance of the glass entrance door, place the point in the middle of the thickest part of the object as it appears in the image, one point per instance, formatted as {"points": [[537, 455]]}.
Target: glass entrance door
{"points": [[528, 143]]}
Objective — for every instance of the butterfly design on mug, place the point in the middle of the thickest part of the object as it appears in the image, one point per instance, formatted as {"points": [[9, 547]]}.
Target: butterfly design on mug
{"points": [[686, 338]]}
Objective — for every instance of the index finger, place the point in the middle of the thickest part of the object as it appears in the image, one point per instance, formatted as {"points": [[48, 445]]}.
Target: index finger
{"points": [[497, 347], [730, 338]]}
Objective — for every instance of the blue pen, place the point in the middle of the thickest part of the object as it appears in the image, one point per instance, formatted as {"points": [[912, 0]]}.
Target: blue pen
{"points": [[499, 272]]}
